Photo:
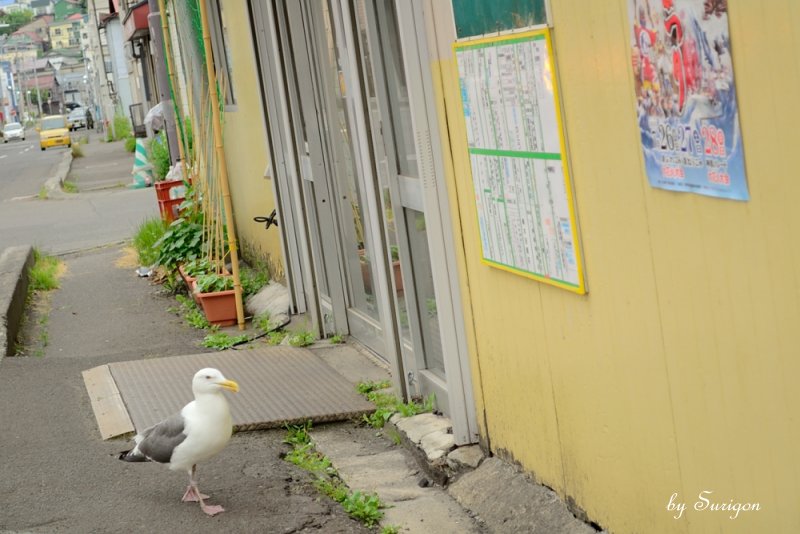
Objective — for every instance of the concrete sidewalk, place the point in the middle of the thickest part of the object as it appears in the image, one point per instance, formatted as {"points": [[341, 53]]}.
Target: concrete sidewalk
{"points": [[57, 475], [103, 166]]}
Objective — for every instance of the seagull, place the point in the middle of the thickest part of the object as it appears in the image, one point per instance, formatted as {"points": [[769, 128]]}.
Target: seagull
{"points": [[196, 433]]}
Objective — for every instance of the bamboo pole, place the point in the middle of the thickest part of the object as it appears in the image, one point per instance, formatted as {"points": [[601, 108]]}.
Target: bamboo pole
{"points": [[162, 7], [223, 165]]}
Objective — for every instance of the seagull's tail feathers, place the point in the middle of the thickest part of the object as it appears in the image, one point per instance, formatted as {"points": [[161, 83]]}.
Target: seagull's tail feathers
{"points": [[133, 455]]}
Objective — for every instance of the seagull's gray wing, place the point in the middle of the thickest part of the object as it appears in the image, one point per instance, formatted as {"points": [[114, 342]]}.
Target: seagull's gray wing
{"points": [[160, 440]]}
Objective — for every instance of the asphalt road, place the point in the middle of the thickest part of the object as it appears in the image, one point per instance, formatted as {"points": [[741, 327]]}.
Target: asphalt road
{"points": [[57, 474], [81, 221]]}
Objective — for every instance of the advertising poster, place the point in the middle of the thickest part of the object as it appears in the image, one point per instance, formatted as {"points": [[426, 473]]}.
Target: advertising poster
{"points": [[686, 97]]}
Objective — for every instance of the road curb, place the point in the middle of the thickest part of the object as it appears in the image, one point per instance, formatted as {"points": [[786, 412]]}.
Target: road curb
{"points": [[14, 265], [54, 183]]}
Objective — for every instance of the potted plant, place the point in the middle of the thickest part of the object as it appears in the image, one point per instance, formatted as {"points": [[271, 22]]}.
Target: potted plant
{"points": [[189, 271], [216, 296]]}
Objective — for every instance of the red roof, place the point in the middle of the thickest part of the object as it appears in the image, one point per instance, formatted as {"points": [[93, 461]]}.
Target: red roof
{"points": [[76, 16]]}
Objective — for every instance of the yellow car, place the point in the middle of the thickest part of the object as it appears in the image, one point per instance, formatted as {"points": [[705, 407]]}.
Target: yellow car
{"points": [[53, 131]]}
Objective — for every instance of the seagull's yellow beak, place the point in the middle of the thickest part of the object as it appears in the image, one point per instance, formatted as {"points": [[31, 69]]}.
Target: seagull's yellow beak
{"points": [[230, 385]]}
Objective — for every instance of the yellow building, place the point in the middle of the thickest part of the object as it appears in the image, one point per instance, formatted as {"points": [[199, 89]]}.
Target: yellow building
{"points": [[66, 33], [661, 372], [672, 375]]}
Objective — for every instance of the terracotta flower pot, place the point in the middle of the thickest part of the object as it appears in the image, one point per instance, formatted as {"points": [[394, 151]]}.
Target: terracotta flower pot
{"points": [[219, 307]]}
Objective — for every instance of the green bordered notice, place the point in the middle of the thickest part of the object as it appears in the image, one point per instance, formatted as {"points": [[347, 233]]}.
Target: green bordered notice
{"points": [[516, 149]]}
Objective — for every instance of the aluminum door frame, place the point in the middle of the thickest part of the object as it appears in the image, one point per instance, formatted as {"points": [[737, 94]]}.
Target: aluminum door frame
{"points": [[416, 22], [283, 167]]}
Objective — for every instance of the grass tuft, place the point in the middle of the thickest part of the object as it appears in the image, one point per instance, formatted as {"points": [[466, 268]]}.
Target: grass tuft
{"points": [[146, 236], [223, 340], [365, 507], [43, 276], [69, 186], [388, 405], [77, 151]]}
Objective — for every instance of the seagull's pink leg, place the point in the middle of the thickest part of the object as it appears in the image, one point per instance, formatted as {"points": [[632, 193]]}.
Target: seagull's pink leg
{"points": [[208, 509], [191, 494]]}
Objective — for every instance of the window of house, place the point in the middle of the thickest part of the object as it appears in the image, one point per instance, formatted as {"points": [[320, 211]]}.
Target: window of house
{"points": [[222, 53], [57, 31]]}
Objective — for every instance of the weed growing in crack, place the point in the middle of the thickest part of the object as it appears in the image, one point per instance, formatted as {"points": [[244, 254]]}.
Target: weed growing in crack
{"points": [[276, 338], [365, 507], [223, 340], [387, 404], [301, 339], [336, 339]]}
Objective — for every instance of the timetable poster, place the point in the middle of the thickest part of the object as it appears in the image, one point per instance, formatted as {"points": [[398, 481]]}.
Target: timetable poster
{"points": [[686, 97], [519, 169]]}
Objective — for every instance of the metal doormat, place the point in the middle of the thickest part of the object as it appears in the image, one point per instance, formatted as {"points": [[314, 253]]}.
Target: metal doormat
{"points": [[278, 386]]}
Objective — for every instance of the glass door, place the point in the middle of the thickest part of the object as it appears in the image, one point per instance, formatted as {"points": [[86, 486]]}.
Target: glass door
{"points": [[402, 196], [309, 125], [351, 179]]}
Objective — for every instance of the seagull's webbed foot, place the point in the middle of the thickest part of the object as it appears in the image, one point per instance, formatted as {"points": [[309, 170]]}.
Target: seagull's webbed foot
{"points": [[211, 509], [192, 496]]}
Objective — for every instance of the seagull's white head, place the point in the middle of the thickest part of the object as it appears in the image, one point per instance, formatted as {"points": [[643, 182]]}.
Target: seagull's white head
{"points": [[211, 380]]}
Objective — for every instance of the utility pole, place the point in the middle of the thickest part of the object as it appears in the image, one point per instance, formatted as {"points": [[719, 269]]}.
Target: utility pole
{"points": [[38, 92], [162, 81]]}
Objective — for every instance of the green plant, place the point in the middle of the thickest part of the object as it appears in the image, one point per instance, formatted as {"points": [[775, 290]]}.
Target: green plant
{"points": [[306, 457], [369, 386], [42, 193], [158, 152], [213, 283], [298, 434], [77, 151], [223, 340], [333, 488], [192, 314], [301, 339], [262, 322], [395, 253], [149, 232], [387, 405], [43, 276], [69, 186], [197, 319], [390, 529], [364, 506], [85, 139], [198, 267], [122, 128], [336, 339], [183, 241], [276, 338], [130, 144], [252, 280], [189, 138]]}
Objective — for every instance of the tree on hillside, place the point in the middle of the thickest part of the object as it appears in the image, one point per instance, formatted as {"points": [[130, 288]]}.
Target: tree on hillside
{"points": [[15, 20]]}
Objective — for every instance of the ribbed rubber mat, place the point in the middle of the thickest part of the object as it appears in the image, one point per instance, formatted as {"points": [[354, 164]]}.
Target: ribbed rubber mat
{"points": [[278, 386]]}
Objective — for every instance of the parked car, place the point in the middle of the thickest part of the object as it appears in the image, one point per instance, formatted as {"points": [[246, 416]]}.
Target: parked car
{"points": [[13, 130], [54, 131], [77, 119]]}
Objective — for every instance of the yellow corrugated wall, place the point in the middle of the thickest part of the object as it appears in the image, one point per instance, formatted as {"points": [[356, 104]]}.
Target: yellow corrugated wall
{"points": [[677, 373], [246, 147]]}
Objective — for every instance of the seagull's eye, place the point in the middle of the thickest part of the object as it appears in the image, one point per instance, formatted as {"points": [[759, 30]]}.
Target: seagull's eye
{"points": [[208, 377]]}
